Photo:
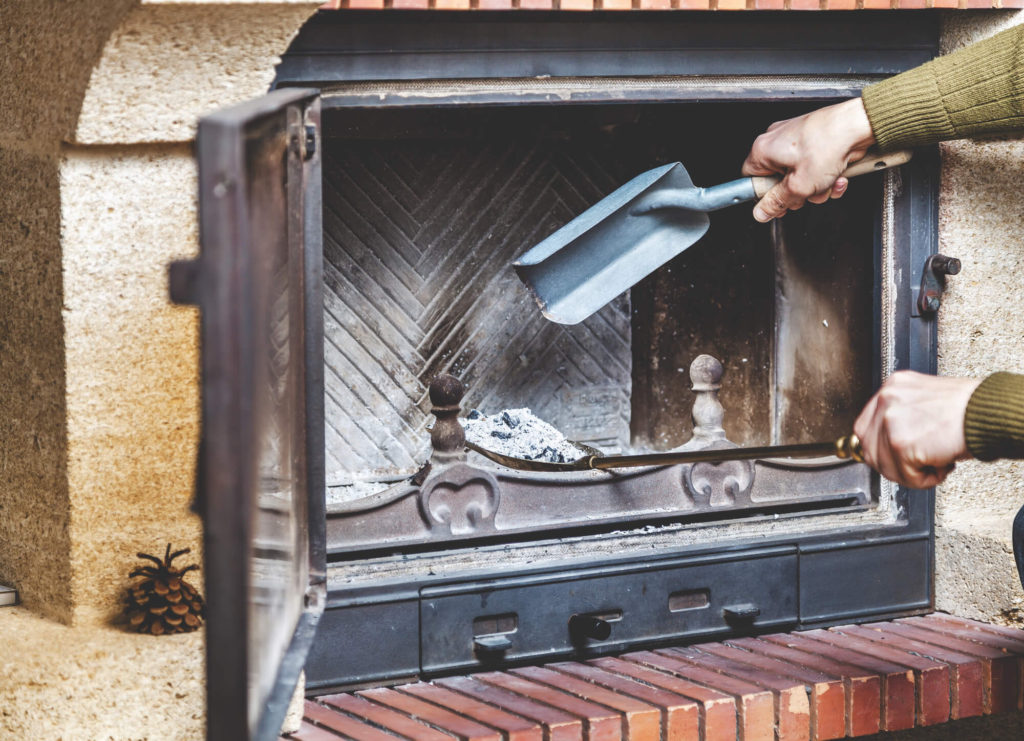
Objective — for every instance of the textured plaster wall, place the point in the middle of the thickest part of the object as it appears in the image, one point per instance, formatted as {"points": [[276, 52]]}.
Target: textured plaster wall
{"points": [[98, 387], [170, 63], [981, 214], [34, 505], [131, 358], [91, 683], [49, 48], [128, 208]]}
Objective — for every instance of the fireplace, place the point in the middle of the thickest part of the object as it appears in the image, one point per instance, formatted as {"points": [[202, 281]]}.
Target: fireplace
{"points": [[446, 148]]}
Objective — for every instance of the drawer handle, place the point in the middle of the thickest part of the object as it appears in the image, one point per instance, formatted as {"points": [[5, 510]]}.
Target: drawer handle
{"points": [[490, 645], [744, 613], [588, 626]]}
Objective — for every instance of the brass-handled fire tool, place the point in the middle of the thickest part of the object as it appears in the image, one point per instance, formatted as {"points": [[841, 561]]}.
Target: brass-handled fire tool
{"points": [[847, 447]]}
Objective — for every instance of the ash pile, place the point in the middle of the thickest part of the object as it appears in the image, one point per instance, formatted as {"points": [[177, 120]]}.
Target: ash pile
{"points": [[521, 434]]}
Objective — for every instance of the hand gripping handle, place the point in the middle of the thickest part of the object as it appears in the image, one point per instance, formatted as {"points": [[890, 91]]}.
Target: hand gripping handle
{"points": [[873, 162]]}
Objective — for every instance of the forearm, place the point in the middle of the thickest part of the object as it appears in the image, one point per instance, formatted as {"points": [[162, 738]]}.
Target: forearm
{"points": [[973, 92], [994, 420]]}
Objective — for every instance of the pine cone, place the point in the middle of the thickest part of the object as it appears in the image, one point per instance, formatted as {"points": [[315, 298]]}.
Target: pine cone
{"points": [[163, 602]]}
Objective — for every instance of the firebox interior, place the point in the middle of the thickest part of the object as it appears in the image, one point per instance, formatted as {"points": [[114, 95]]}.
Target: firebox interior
{"points": [[425, 209]]}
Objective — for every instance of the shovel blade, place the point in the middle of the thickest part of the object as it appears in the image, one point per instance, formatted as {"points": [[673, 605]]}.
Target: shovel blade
{"points": [[606, 250]]}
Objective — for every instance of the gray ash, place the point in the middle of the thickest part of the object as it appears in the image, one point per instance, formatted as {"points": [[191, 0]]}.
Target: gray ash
{"points": [[518, 433]]}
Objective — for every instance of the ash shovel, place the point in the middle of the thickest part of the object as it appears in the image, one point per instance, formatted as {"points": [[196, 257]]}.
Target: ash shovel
{"points": [[635, 230]]}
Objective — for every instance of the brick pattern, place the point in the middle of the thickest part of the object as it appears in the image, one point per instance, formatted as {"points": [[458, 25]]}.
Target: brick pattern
{"points": [[583, 5], [849, 681]]}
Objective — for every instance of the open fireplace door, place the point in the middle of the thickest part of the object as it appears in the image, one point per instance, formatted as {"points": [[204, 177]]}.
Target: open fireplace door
{"points": [[260, 471]]}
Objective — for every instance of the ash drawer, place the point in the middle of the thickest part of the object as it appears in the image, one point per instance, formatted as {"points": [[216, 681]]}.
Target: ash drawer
{"points": [[499, 621]]}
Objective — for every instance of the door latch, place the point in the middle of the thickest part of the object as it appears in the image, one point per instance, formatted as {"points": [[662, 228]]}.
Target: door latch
{"points": [[933, 282]]}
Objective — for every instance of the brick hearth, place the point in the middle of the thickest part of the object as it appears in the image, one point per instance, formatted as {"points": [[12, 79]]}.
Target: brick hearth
{"points": [[819, 684]]}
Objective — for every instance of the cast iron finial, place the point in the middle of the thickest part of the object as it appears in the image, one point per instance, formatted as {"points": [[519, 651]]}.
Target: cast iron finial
{"points": [[706, 375], [447, 438]]}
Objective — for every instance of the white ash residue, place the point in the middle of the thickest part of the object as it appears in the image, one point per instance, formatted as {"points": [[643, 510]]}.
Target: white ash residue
{"points": [[342, 493], [518, 433]]}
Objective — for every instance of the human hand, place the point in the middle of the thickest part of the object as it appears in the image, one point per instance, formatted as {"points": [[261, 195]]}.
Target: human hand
{"points": [[912, 430], [810, 152]]}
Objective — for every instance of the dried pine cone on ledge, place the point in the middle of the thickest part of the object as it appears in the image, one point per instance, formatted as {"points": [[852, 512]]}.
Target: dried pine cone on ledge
{"points": [[163, 602]]}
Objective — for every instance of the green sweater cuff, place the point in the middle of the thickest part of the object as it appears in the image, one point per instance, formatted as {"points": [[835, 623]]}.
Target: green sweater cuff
{"points": [[994, 420], [907, 110], [976, 91]]}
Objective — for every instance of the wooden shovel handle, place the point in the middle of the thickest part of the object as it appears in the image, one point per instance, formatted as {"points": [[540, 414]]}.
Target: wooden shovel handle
{"points": [[870, 163]]}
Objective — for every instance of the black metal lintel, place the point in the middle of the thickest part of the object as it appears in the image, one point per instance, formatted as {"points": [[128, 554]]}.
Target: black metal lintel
{"points": [[354, 46]]}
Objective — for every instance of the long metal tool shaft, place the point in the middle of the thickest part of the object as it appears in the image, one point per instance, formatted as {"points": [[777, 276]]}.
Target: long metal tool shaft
{"points": [[847, 447]]}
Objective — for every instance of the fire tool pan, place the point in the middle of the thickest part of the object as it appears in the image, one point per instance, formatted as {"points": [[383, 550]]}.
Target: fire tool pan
{"points": [[847, 447], [635, 230]]}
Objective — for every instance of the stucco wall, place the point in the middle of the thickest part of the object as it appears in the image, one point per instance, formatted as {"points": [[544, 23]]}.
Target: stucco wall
{"points": [[981, 209], [49, 49], [131, 358], [98, 373]]}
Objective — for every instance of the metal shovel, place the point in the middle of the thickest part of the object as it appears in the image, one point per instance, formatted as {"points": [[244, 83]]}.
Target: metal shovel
{"points": [[847, 447], [633, 231]]}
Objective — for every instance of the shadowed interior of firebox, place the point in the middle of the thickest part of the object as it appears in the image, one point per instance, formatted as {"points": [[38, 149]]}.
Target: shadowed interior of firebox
{"points": [[424, 212]]}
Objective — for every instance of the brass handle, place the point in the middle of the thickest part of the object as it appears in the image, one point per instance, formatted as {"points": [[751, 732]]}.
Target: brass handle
{"points": [[849, 447]]}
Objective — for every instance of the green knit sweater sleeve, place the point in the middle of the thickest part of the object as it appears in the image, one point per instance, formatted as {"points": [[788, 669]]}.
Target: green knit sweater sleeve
{"points": [[994, 421], [976, 91]]}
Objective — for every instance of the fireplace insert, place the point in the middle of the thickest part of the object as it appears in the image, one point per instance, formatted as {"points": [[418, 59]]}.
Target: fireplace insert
{"points": [[408, 159]]}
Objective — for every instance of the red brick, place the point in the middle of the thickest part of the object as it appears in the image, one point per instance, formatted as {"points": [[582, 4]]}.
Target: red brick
{"points": [[1002, 671], [694, 4], [827, 691], [805, 4], [755, 705], [769, 4], [451, 4], [1012, 4], [827, 694], [913, 4], [898, 686], [717, 709], [309, 732], [601, 723], [863, 689], [382, 716], [792, 706], [980, 4], [410, 4], [967, 674], [877, 4], [536, 4], [682, 715], [640, 720], [346, 726], [364, 4], [932, 677], [616, 4], [494, 4], [945, 3], [1006, 644], [576, 5], [516, 728], [655, 4], [436, 716], [732, 4], [841, 4], [1013, 639], [557, 724]]}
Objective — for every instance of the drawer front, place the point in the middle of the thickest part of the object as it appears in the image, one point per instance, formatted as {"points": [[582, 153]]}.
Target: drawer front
{"points": [[498, 622]]}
